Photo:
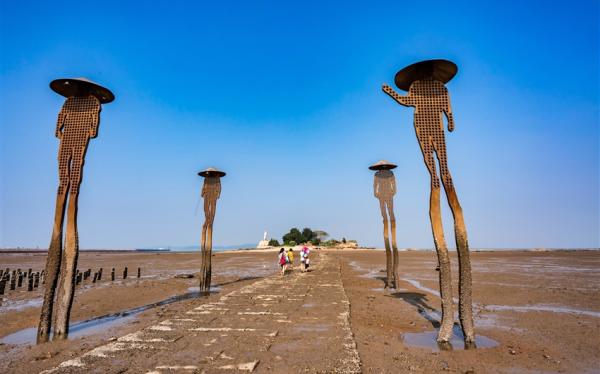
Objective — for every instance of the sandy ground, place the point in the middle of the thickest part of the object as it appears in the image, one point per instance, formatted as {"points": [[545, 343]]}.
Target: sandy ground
{"points": [[534, 311], [541, 308]]}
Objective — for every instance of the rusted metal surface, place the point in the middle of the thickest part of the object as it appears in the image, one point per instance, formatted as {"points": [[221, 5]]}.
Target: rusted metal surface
{"points": [[77, 123], [211, 191], [384, 189], [430, 98], [81, 87], [438, 70]]}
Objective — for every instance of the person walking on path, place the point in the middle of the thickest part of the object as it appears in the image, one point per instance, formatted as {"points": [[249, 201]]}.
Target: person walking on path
{"points": [[304, 259], [282, 259], [290, 255]]}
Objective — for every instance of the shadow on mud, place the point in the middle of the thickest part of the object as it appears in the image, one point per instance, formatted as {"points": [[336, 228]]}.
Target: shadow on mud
{"points": [[419, 301], [428, 339], [236, 281]]}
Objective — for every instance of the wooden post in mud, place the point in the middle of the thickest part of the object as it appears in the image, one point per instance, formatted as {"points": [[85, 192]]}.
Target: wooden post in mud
{"points": [[36, 282], [13, 281], [125, 273], [95, 277], [20, 281], [112, 275], [2, 285], [211, 191], [427, 93], [100, 274], [139, 274], [30, 282]]}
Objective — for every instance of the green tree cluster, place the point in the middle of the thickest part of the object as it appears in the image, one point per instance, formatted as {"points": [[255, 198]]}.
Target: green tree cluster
{"points": [[295, 236]]}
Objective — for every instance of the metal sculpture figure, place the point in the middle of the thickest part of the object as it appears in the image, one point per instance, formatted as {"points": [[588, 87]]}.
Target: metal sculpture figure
{"points": [[384, 188], [77, 122], [211, 191], [424, 82]]}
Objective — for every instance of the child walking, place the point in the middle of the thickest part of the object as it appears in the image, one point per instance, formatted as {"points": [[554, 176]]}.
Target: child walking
{"points": [[282, 259], [304, 261], [290, 255]]}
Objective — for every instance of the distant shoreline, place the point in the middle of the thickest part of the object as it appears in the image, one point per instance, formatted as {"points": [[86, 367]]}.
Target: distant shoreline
{"points": [[254, 250]]}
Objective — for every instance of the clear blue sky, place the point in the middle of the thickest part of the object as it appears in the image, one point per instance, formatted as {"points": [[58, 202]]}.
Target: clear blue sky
{"points": [[286, 99]]}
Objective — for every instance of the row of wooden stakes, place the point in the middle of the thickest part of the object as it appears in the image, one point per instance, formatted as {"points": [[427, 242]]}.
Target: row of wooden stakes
{"points": [[15, 278]]}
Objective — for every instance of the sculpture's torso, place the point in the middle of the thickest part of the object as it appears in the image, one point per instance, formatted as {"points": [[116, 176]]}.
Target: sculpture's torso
{"points": [[385, 184], [80, 113], [211, 188], [430, 97]]}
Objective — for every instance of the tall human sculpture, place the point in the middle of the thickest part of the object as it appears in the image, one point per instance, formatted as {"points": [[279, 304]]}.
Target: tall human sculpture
{"points": [[424, 82], [211, 191], [77, 122], [384, 188]]}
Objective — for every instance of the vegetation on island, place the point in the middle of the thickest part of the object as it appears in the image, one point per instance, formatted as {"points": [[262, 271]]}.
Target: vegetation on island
{"points": [[309, 236]]}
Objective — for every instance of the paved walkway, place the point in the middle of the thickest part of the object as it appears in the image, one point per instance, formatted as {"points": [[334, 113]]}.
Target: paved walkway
{"points": [[291, 324]]}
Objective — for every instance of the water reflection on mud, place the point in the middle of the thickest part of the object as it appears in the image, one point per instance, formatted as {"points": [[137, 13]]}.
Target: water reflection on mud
{"points": [[98, 324], [427, 340]]}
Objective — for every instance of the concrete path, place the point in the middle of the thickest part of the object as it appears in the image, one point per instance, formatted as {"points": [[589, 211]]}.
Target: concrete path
{"points": [[297, 323]]}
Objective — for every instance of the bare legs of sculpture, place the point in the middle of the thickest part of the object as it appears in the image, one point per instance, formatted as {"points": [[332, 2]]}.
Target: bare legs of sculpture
{"points": [[52, 269], [205, 269], [71, 156], [391, 254], [465, 306], [66, 287]]}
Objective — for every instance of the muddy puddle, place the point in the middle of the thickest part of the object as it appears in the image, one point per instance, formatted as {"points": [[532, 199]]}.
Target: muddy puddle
{"points": [[366, 273], [542, 308], [8, 305], [428, 340], [102, 323], [317, 327]]}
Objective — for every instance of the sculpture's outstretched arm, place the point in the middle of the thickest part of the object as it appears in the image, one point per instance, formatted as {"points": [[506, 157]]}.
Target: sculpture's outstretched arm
{"points": [[60, 122], [402, 100]]}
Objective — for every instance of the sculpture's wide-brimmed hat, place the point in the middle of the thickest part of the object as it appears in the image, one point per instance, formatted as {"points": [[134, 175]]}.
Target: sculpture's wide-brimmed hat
{"points": [[211, 172], [68, 87], [383, 165], [439, 70]]}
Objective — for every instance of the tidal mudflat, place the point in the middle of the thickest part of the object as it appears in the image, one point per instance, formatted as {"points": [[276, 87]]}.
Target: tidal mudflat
{"points": [[534, 311]]}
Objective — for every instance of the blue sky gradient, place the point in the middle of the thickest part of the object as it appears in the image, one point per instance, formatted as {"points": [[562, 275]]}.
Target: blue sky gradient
{"points": [[286, 99]]}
